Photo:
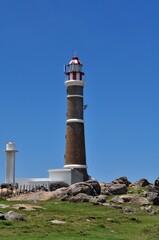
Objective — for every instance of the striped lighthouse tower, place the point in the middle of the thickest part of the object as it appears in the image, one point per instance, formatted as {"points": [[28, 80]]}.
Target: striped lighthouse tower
{"points": [[75, 155]]}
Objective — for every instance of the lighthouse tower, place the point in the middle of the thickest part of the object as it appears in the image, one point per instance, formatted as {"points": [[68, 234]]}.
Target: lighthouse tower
{"points": [[75, 155], [10, 162]]}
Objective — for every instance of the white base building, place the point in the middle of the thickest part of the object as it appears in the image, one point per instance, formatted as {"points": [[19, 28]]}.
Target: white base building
{"points": [[68, 176]]}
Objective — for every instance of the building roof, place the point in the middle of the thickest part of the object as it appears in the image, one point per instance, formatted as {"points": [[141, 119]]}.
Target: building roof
{"points": [[75, 60]]}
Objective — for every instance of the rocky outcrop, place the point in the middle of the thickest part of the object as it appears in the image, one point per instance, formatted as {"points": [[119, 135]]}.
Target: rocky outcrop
{"points": [[114, 194]]}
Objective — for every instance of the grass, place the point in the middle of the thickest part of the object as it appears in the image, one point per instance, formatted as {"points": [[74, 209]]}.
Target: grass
{"points": [[83, 222]]}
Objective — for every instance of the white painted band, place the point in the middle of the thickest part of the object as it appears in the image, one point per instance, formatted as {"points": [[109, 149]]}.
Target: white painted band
{"points": [[75, 95], [10, 151], [75, 166], [74, 83], [74, 120]]}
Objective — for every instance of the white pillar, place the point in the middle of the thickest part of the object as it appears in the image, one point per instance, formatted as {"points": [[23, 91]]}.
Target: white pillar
{"points": [[10, 162]]}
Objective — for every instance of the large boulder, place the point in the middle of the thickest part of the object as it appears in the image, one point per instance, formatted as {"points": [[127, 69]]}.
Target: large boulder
{"points": [[122, 180], [81, 197], [151, 195], [40, 195], [116, 189], [142, 182], [122, 198], [156, 201], [96, 186], [81, 187], [11, 215], [142, 201]]}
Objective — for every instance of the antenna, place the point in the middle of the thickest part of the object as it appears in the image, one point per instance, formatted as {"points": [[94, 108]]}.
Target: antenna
{"points": [[74, 53]]}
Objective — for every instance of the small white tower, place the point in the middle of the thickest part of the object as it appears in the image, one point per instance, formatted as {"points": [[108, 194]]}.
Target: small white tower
{"points": [[10, 162]]}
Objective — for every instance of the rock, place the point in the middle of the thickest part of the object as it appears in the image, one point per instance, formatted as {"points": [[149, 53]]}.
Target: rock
{"points": [[152, 188], [11, 215], [56, 185], [97, 200], [101, 198], [60, 193], [4, 206], [118, 189], [142, 182], [115, 206], [134, 219], [6, 192], [151, 195], [95, 185], [111, 205], [106, 204], [81, 187], [58, 222], [40, 195], [142, 201], [127, 197], [81, 197], [117, 199], [102, 184], [105, 191], [122, 180], [27, 207], [149, 209], [128, 210], [110, 220], [156, 183], [122, 198], [156, 201], [2, 216]]}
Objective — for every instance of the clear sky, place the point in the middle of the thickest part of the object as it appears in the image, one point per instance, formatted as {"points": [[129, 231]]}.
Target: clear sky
{"points": [[118, 44]]}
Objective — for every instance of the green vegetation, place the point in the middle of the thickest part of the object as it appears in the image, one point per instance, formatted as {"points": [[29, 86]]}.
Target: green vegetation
{"points": [[83, 221]]}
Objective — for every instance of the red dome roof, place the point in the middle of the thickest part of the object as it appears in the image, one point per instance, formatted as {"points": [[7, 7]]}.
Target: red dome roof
{"points": [[75, 60]]}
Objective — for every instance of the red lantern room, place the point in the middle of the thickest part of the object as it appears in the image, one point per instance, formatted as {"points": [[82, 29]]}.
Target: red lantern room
{"points": [[75, 69]]}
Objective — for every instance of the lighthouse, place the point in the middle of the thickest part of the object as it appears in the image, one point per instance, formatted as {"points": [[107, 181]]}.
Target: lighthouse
{"points": [[75, 154], [10, 163]]}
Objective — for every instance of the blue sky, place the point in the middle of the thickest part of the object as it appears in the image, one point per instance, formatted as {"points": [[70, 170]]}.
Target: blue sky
{"points": [[118, 44]]}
